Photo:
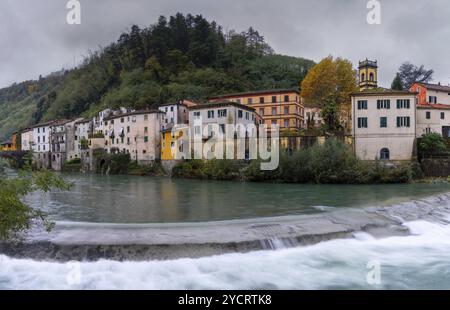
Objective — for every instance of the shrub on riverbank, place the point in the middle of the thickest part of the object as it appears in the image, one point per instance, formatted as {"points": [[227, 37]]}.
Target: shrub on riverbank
{"points": [[153, 169], [216, 169], [333, 162]]}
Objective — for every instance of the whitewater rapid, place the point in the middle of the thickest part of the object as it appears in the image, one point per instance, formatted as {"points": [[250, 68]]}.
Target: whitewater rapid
{"points": [[418, 261]]}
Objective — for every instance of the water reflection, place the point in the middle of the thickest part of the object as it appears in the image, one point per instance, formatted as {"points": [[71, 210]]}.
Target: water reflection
{"points": [[128, 199]]}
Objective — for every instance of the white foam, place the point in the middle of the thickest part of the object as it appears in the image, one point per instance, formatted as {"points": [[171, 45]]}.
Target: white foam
{"points": [[413, 262]]}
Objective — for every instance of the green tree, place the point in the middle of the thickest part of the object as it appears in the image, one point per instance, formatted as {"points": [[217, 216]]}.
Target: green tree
{"points": [[397, 83], [432, 144], [410, 74], [16, 217]]}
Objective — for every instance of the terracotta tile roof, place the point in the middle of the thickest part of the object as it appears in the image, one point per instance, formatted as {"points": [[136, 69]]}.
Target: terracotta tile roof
{"points": [[436, 87], [257, 92], [207, 105], [433, 106]]}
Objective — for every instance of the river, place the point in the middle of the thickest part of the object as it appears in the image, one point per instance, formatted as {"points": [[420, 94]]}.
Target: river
{"points": [[417, 261]]}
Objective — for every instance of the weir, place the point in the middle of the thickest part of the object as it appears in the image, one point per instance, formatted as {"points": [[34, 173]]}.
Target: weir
{"points": [[140, 242]]}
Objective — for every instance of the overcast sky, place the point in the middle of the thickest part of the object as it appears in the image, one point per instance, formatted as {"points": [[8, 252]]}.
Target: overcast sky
{"points": [[35, 38]]}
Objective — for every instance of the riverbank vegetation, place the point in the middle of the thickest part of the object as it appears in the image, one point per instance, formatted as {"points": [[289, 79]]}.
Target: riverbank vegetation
{"points": [[333, 162], [16, 217]]}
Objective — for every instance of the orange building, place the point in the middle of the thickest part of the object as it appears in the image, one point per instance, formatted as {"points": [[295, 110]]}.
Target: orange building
{"points": [[275, 106], [15, 142]]}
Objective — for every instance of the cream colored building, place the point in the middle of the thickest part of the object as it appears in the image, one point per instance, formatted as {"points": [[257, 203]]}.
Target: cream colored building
{"points": [[27, 139], [136, 133], [384, 124]]}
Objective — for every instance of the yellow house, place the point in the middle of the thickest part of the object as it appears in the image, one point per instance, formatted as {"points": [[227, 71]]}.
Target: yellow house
{"points": [[172, 142], [6, 146]]}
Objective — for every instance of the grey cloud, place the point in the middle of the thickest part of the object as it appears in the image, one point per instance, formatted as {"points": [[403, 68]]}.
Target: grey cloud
{"points": [[36, 39]]}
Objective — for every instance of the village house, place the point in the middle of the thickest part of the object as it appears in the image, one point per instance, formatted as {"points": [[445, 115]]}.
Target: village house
{"points": [[62, 137], [203, 117], [282, 107], [433, 109], [136, 133], [384, 120], [174, 127], [41, 144], [82, 131], [6, 146], [26, 139]]}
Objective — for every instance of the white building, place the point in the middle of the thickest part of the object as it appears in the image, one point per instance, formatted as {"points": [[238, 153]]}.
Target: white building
{"points": [[203, 118], [175, 114], [384, 124], [433, 109], [41, 144], [82, 130], [26, 137], [136, 133]]}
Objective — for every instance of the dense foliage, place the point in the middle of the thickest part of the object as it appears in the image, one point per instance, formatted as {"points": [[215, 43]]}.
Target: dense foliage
{"points": [[16, 217], [410, 74], [432, 144], [331, 162], [180, 57]]}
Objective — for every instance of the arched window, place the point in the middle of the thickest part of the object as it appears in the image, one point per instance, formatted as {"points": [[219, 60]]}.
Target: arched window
{"points": [[363, 77], [385, 154], [371, 76]]}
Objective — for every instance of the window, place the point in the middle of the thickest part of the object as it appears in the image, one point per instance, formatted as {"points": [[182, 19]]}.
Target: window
{"points": [[197, 130], [250, 100], [286, 98], [286, 110], [39, 139], [171, 109], [128, 141], [261, 112], [146, 129], [286, 123], [144, 152], [196, 114], [39, 130], [261, 100], [403, 104], [222, 113], [112, 122], [362, 104], [247, 115], [274, 99], [121, 139], [442, 115], [145, 117], [240, 113], [122, 120], [43, 130], [383, 122], [363, 77], [274, 111], [43, 139], [128, 129], [362, 122], [145, 139], [383, 104], [211, 114], [428, 115], [403, 121], [432, 99], [371, 77], [222, 128], [385, 154], [106, 123]]}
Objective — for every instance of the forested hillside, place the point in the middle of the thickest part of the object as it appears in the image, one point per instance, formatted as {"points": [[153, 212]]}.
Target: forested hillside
{"points": [[181, 57]]}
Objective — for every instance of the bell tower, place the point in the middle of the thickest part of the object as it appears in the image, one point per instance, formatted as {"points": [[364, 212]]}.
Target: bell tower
{"points": [[368, 74]]}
